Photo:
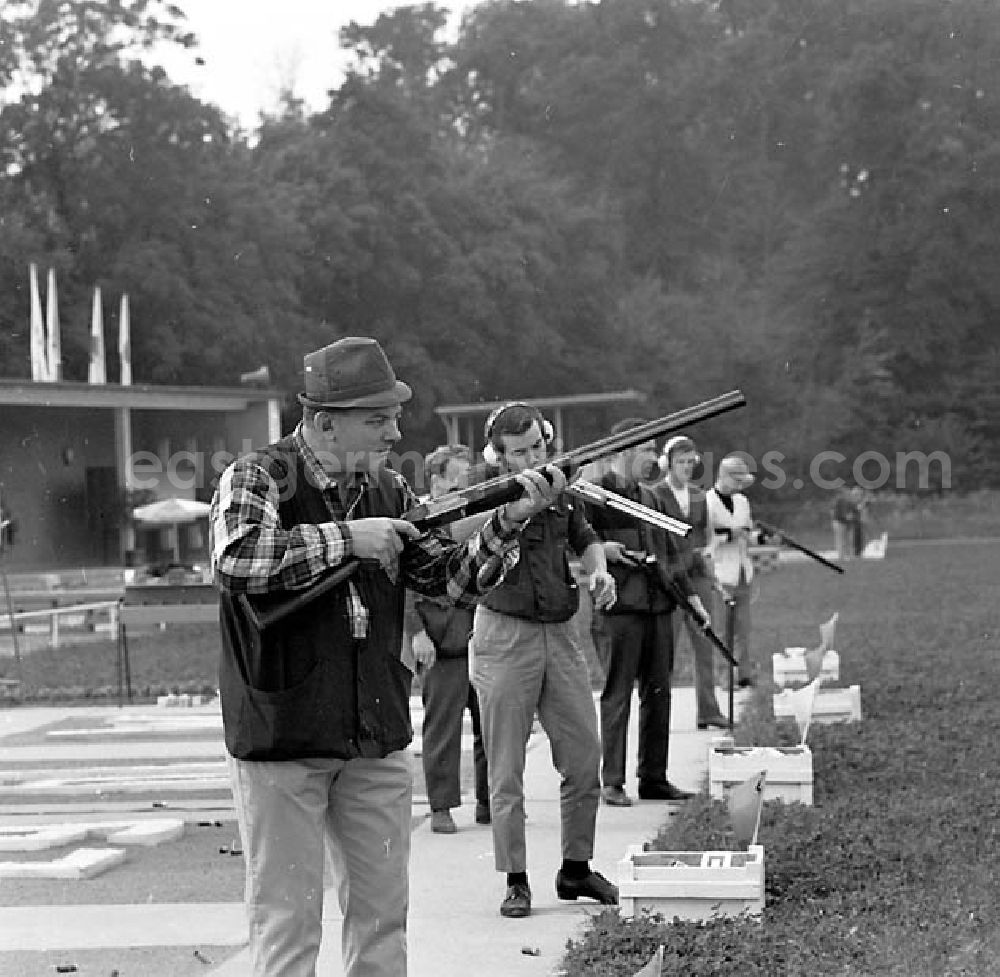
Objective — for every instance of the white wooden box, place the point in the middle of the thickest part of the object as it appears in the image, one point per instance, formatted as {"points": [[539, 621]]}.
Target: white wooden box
{"points": [[789, 667], [789, 769], [841, 705], [691, 885]]}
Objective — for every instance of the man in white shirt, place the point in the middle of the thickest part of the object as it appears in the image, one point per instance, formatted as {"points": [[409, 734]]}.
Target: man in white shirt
{"points": [[731, 528]]}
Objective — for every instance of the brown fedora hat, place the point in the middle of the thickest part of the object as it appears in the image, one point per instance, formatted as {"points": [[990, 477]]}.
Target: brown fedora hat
{"points": [[352, 372]]}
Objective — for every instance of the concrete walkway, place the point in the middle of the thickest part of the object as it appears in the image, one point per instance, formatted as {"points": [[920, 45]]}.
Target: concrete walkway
{"points": [[454, 925]]}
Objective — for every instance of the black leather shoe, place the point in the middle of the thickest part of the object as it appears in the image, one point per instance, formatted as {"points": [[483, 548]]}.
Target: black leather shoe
{"points": [[719, 722], [665, 791], [517, 903], [593, 886]]}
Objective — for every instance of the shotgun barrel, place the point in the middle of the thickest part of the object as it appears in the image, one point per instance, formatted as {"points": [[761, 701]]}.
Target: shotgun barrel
{"points": [[488, 495]]}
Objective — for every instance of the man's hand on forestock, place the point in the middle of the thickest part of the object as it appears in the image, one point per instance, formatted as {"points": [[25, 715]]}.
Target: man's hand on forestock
{"points": [[541, 489], [616, 552], [699, 608]]}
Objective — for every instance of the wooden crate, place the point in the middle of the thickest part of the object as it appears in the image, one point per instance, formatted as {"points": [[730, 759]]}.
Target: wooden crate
{"points": [[789, 667], [789, 769], [697, 885], [835, 705]]}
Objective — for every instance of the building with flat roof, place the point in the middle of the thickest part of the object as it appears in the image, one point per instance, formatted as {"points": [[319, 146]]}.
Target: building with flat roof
{"points": [[77, 458]]}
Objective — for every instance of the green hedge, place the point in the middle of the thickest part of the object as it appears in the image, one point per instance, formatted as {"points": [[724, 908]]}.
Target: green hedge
{"points": [[892, 872]]}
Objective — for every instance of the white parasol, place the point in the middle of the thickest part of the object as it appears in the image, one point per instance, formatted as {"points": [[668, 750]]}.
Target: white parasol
{"points": [[166, 512], [171, 512]]}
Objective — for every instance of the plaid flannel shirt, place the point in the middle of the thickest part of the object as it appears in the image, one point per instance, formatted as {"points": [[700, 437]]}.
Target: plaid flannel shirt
{"points": [[253, 553]]}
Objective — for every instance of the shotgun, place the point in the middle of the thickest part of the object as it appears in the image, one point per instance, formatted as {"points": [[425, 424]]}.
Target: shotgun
{"points": [[787, 540], [650, 563], [490, 494]]}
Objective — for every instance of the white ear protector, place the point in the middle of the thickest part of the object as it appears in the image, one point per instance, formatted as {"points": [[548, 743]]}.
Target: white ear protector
{"points": [[490, 454], [668, 449]]}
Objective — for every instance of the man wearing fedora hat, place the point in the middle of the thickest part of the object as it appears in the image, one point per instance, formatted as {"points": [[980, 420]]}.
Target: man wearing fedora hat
{"points": [[316, 706], [731, 528]]}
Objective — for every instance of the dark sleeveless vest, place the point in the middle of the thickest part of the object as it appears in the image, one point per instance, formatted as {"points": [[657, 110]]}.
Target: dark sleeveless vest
{"points": [[541, 587], [305, 687]]}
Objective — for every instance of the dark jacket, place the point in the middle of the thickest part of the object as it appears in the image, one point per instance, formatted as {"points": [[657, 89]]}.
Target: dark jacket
{"points": [[640, 590], [305, 687], [542, 587], [688, 547]]}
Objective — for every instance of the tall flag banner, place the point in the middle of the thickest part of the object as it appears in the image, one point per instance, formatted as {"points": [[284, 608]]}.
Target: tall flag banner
{"points": [[655, 966], [125, 343], [96, 372], [39, 354], [745, 802], [53, 341]]}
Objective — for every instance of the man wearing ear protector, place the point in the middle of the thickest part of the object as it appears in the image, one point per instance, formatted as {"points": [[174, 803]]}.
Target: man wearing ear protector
{"points": [[684, 500], [524, 658], [315, 708], [639, 628]]}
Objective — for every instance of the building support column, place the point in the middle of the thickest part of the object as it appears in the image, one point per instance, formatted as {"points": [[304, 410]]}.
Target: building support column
{"points": [[125, 476]]}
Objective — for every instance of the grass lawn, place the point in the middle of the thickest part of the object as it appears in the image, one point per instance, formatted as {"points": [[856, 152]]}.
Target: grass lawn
{"points": [[893, 871]]}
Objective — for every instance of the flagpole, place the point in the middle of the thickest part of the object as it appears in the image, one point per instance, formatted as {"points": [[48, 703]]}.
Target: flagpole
{"points": [[53, 340], [39, 361], [96, 371], [125, 343]]}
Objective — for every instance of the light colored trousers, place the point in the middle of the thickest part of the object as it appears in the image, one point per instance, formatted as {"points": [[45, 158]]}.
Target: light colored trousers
{"points": [[519, 667], [290, 813], [704, 652]]}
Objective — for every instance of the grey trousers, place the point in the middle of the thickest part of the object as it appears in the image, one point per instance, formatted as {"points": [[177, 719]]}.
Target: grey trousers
{"points": [[446, 694], [704, 653], [519, 667], [292, 813]]}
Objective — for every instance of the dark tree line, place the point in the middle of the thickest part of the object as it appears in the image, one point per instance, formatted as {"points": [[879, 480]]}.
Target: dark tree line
{"points": [[796, 197]]}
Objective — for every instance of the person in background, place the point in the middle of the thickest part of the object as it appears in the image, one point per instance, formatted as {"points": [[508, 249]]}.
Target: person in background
{"points": [[639, 627], [845, 517], [525, 656], [684, 500], [731, 527], [861, 500], [441, 653], [315, 707]]}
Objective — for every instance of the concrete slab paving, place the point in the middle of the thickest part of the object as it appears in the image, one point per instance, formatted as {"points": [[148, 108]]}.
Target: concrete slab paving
{"points": [[89, 927], [454, 924]]}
